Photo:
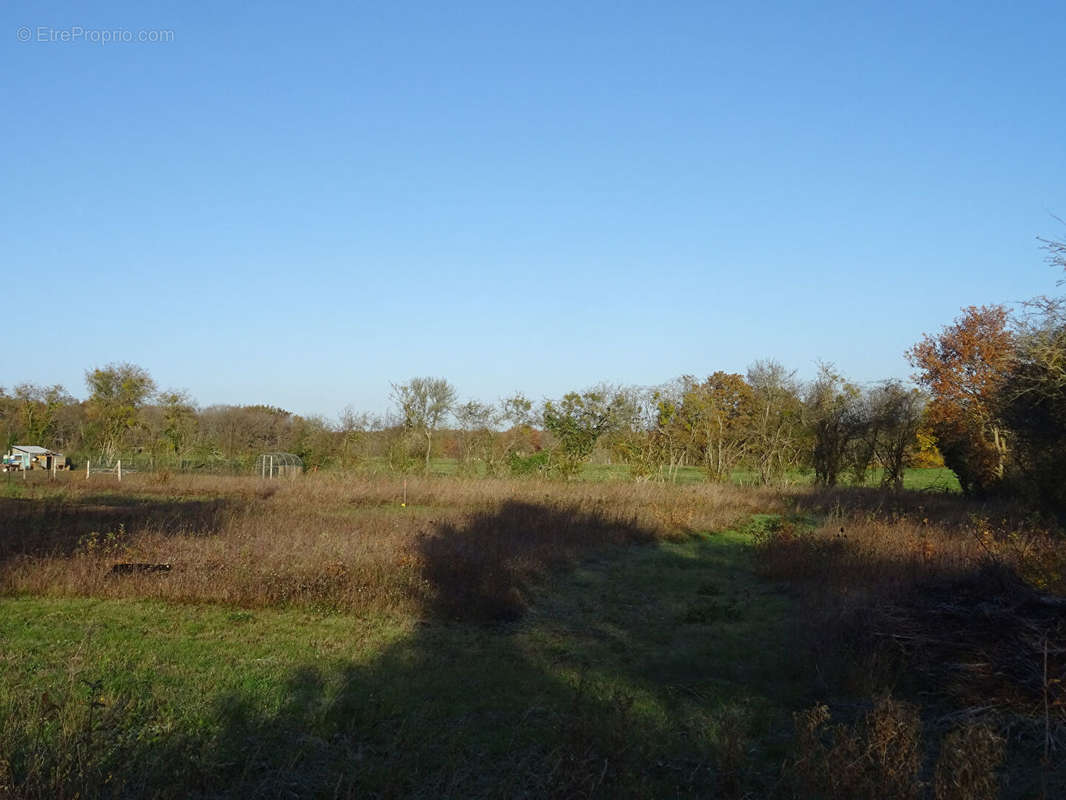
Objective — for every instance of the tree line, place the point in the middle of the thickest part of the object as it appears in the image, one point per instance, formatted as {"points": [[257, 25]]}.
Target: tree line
{"points": [[989, 401], [765, 422]]}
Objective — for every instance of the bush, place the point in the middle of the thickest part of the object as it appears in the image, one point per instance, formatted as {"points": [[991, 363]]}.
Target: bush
{"points": [[535, 464]]}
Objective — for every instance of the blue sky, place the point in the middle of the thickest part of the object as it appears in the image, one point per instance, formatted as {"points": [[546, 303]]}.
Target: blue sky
{"points": [[296, 204]]}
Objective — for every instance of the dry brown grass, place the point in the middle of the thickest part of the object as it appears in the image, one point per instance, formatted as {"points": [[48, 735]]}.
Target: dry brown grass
{"points": [[966, 769], [459, 548], [878, 756], [955, 602], [975, 595]]}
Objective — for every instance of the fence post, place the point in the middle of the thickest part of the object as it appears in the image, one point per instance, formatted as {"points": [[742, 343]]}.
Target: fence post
{"points": [[272, 466], [88, 461], [118, 469]]}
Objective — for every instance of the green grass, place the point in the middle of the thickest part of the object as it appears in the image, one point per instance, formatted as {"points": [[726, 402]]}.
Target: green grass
{"points": [[939, 479], [656, 671]]}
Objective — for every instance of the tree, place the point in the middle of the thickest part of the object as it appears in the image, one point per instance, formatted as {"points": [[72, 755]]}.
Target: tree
{"points": [[167, 428], [38, 410], [775, 443], [835, 415], [116, 394], [477, 422], [671, 434], [517, 410], [313, 439], [424, 403], [1033, 402], [964, 369], [632, 440], [179, 420], [520, 441], [896, 416], [355, 428], [1056, 251], [578, 420], [717, 415]]}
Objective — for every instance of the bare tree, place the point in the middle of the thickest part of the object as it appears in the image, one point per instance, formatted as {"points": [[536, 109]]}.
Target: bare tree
{"points": [[355, 428], [424, 403], [1056, 251], [517, 410], [477, 422]]}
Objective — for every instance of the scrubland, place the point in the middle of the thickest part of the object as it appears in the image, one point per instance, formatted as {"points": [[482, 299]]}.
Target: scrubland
{"points": [[207, 636]]}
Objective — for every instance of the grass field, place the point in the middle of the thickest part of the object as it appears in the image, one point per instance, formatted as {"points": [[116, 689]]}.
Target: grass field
{"points": [[657, 658], [938, 479], [930, 479], [935, 479], [515, 638]]}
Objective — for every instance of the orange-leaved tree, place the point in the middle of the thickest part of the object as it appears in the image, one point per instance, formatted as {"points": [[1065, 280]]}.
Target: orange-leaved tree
{"points": [[964, 368]]}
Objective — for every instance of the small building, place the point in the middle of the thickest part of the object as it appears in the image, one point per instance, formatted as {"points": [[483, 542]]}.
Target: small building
{"points": [[30, 456]]}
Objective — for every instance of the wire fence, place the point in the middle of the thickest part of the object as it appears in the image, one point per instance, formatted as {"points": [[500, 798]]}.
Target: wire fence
{"points": [[266, 465]]}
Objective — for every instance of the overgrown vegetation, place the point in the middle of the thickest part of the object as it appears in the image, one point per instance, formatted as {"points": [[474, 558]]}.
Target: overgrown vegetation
{"points": [[334, 542], [527, 637], [959, 606]]}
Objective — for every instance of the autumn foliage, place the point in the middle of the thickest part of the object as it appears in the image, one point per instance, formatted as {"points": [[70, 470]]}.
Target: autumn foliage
{"points": [[964, 369]]}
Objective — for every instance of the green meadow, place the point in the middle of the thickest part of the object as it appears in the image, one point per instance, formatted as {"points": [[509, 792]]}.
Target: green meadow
{"points": [[660, 670]]}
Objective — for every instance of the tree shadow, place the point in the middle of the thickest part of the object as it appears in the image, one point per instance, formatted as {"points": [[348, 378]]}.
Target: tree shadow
{"points": [[628, 674], [482, 571], [946, 509], [57, 526]]}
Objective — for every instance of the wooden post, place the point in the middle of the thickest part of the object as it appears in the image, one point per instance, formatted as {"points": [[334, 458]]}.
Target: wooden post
{"points": [[272, 466], [88, 461], [53, 467], [118, 469]]}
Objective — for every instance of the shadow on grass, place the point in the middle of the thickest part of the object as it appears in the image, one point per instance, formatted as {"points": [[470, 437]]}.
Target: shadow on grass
{"points": [[951, 511], [56, 526], [483, 570], [650, 672]]}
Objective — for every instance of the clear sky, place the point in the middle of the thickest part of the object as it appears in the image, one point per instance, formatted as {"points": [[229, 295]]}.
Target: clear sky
{"points": [[298, 203]]}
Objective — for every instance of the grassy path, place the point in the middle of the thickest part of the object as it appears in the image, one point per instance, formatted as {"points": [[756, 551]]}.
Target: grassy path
{"points": [[660, 670]]}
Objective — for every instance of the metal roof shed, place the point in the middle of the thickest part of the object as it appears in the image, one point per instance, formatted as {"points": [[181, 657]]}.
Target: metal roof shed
{"points": [[31, 456]]}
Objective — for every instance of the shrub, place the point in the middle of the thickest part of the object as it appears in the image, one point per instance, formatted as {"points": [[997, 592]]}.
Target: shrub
{"points": [[876, 757]]}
